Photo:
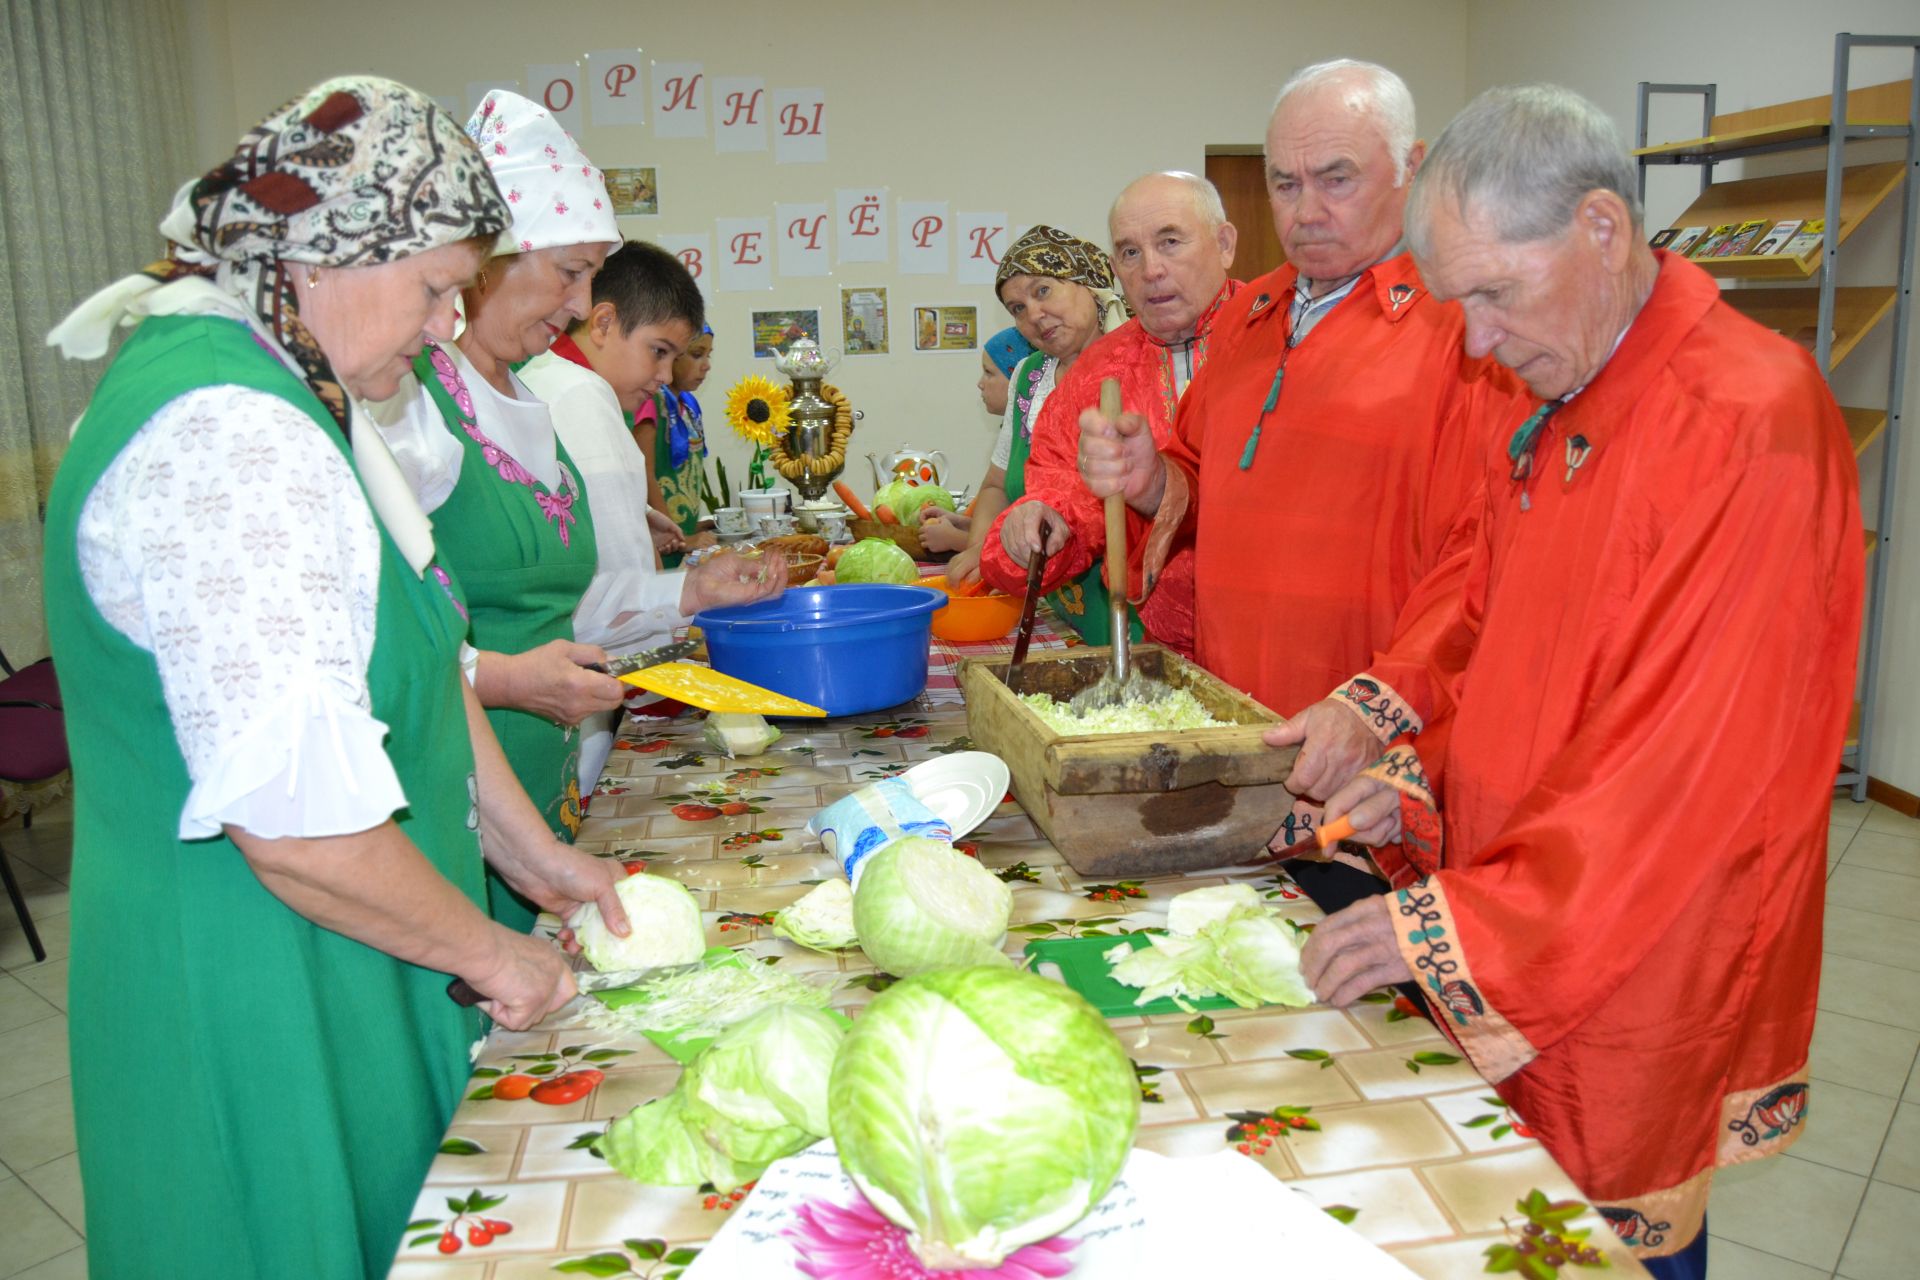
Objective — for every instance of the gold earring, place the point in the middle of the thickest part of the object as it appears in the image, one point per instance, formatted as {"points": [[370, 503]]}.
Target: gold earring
{"points": [[483, 279], [312, 277]]}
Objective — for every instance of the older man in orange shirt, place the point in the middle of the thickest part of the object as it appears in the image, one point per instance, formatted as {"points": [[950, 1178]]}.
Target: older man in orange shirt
{"points": [[1327, 460], [1648, 666], [1172, 245]]}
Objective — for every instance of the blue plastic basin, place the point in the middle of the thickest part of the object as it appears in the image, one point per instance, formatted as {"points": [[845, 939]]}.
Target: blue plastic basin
{"points": [[847, 649]]}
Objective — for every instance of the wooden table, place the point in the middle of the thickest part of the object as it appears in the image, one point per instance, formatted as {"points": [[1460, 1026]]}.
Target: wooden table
{"points": [[1392, 1131]]}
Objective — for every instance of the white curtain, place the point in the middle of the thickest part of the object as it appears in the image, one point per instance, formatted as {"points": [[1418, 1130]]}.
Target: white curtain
{"points": [[95, 135]]}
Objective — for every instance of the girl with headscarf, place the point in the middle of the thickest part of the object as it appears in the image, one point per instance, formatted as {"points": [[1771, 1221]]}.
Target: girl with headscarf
{"points": [[282, 773], [480, 450], [943, 530], [1059, 289]]}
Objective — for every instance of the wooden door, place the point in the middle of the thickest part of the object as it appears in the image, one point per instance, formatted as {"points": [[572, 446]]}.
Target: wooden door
{"points": [[1243, 189]]}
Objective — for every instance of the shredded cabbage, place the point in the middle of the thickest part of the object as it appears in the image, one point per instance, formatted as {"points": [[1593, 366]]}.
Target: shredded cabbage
{"points": [[1177, 709], [704, 1001]]}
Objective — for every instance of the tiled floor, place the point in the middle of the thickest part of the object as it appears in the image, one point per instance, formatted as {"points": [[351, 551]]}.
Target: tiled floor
{"points": [[1837, 1207]]}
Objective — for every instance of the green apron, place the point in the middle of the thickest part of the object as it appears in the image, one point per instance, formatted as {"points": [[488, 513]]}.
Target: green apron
{"points": [[1084, 602], [679, 486], [523, 584], [255, 1096]]}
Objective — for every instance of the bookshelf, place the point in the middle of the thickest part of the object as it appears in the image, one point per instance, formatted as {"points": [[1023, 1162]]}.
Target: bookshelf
{"points": [[1801, 296]]}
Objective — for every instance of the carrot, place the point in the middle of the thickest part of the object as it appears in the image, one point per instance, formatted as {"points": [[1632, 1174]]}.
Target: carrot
{"points": [[973, 504], [884, 514], [852, 500]]}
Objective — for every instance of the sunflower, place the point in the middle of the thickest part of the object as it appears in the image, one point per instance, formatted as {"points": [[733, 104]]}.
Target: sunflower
{"points": [[757, 409]]}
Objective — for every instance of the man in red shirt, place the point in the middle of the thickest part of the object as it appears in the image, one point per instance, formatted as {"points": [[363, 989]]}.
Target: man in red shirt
{"points": [[1323, 462], [1647, 669], [1172, 245]]}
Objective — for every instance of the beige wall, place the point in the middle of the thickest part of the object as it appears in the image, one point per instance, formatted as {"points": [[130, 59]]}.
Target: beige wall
{"points": [[1043, 111], [1040, 111]]}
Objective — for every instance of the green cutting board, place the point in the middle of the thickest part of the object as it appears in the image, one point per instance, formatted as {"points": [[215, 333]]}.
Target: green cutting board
{"points": [[1083, 966], [682, 1046]]}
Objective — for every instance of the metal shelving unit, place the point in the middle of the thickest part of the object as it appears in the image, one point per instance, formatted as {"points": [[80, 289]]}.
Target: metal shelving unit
{"points": [[1841, 317]]}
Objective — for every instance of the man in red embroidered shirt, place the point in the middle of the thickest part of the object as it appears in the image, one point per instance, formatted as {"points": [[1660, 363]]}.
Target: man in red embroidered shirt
{"points": [[1172, 245], [1647, 669], [1322, 463]]}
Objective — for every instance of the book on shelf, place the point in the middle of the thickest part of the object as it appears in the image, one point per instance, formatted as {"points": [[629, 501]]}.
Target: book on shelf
{"points": [[1776, 238], [1683, 243], [1805, 240], [1709, 244], [1742, 238], [1661, 239]]}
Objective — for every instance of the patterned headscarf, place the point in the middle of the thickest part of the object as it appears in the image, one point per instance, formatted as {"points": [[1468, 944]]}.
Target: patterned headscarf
{"points": [[1049, 251], [556, 195], [1008, 348], [357, 171]]}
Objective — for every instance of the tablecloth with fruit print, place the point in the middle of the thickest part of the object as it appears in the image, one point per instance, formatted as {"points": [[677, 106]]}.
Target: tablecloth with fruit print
{"points": [[1364, 1109]]}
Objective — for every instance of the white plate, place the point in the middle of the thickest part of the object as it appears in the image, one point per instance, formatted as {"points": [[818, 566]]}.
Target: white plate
{"points": [[963, 788]]}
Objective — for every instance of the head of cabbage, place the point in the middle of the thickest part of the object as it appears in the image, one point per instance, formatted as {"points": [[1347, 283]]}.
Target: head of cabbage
{"points": [[906, 499], [921, 904], [666, 927], [875, 560], [757, 1093], [982, 1109]]}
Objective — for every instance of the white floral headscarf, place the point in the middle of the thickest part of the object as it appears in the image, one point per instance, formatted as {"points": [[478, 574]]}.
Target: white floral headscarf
{"points": [[555, 194]]}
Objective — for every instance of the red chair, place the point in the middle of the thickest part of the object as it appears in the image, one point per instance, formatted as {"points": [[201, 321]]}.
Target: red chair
{"points": [[33, 748]]}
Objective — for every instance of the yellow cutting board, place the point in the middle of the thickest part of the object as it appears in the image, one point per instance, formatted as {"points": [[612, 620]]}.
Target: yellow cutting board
{"points": [[709, 690]]}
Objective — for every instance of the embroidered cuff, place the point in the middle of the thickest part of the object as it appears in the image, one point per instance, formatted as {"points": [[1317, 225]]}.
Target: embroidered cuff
{"points": [[1429, 941], [1381, 706]]}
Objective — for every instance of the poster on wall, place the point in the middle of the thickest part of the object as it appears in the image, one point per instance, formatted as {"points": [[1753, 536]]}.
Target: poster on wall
{"points": [[696, 255], [635, 192], [739, 113], [801, 230], [477, 90], [775, 331], [616, 87], [945, 328], [556, 86], [980, 239], [923, 237], [862, 223], [745, 256], [679, 100], [799, 126], [863, 321]]}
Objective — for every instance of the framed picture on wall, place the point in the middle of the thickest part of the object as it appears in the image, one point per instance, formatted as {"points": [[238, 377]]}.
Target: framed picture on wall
{"points": [[775, 331], [635, 192], [946, 328], [863, 321]]}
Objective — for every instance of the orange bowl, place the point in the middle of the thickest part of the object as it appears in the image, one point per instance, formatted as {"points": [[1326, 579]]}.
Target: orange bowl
{"points": [[966, 619]]}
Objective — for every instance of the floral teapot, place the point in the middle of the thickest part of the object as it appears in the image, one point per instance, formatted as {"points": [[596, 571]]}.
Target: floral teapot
{"points": [[916, 466]]}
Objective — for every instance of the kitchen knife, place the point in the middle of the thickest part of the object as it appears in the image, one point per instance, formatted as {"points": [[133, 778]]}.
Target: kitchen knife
{"points": [[584, 981], [640, 661]]}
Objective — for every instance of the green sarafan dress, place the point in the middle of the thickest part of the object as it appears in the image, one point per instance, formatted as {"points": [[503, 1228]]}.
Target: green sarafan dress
{"points": [[525, 556], [1084, 602], [254, 1095], [677, 415]]}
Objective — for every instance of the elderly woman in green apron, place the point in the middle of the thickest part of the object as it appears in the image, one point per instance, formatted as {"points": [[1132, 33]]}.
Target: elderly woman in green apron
{"points": [[272, 884], [1059, 290], [509, 510]]}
